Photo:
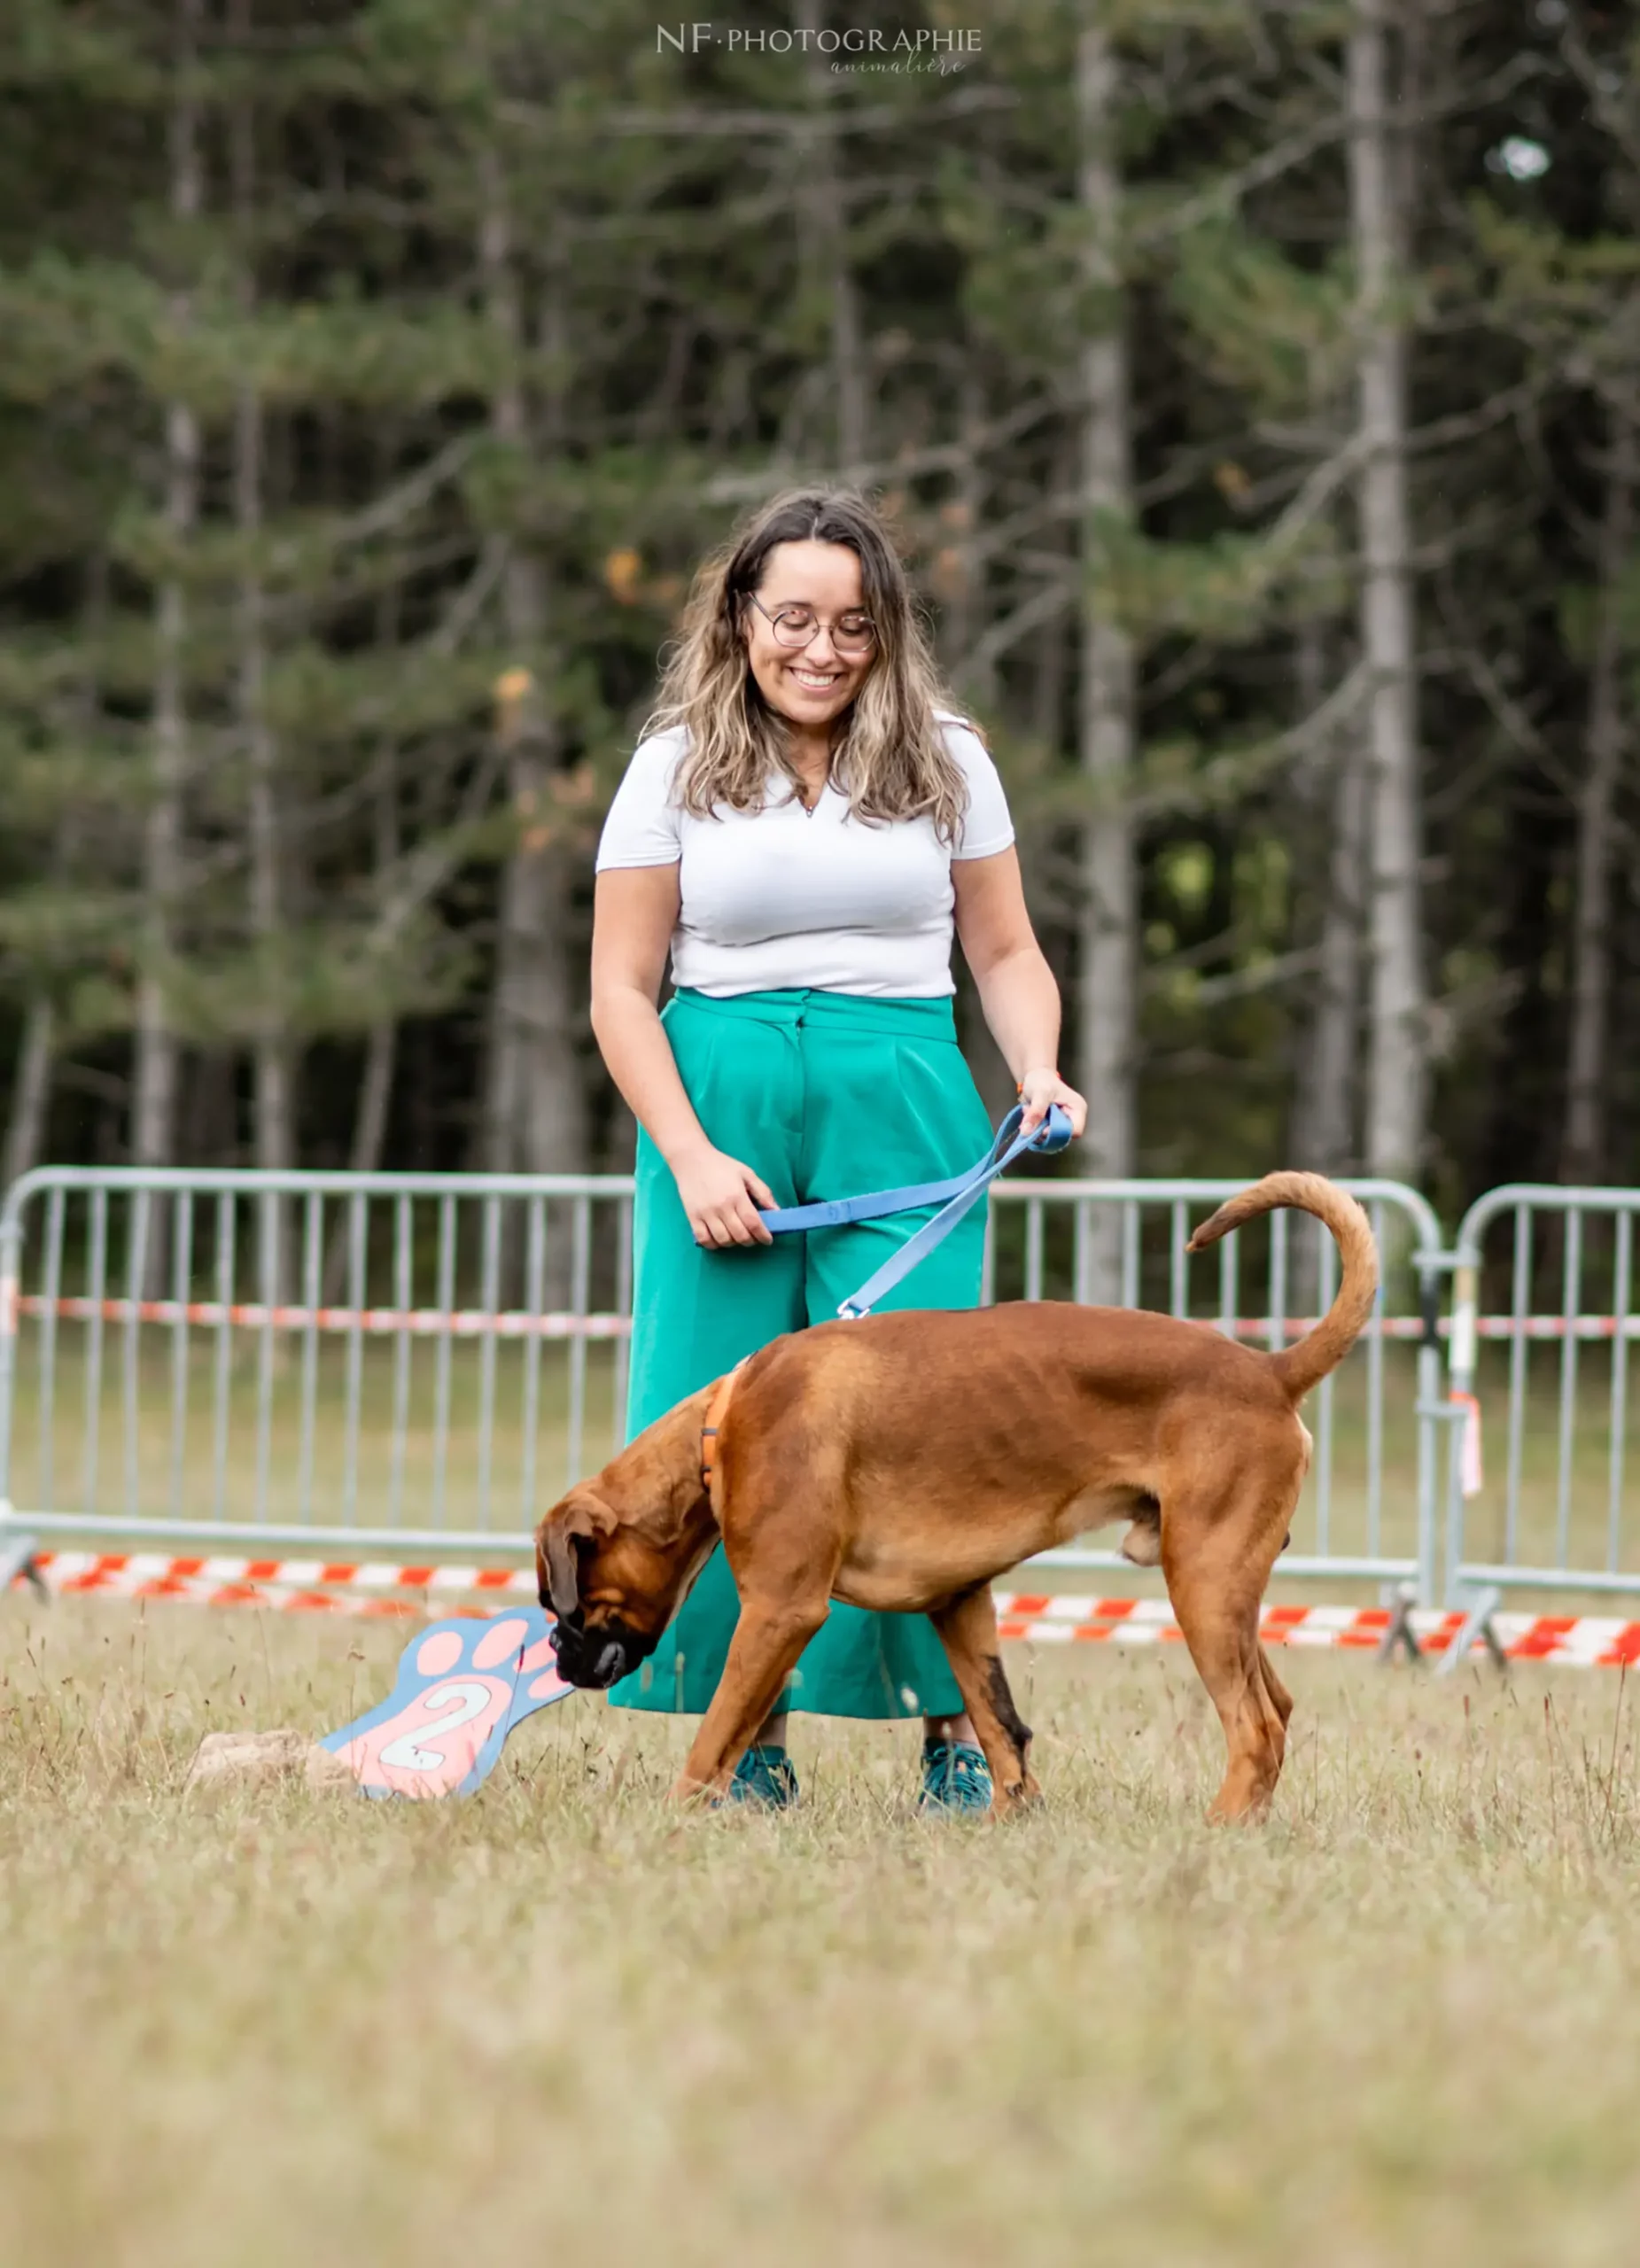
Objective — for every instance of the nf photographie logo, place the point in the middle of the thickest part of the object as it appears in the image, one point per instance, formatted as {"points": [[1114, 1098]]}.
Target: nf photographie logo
{"points": [[873, 48]]}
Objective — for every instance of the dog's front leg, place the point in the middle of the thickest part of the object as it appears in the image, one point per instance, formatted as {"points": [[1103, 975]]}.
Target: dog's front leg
{"points": [[968, 1629], [767, 1640]]}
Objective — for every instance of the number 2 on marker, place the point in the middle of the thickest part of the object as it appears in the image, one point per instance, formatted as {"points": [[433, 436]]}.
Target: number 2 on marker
{"points": [[470, 1700]]}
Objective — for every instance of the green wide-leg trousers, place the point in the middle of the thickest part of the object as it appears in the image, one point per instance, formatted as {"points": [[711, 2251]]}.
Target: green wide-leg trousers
{"points": [[824, 1094]]}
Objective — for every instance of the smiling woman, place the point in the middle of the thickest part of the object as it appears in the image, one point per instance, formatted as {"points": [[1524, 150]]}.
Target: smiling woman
{"points": [[806, 823]]}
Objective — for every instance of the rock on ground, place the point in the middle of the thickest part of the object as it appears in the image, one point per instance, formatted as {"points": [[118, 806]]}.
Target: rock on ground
{"points": [[224, 1758]]}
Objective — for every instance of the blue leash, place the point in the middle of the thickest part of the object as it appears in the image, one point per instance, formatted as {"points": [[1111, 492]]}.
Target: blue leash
{"points": [[957, 1196]]}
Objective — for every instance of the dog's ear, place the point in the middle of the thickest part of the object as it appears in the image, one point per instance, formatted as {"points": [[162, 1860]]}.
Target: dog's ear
{"points": [[555, 1573], [579, 1514]]}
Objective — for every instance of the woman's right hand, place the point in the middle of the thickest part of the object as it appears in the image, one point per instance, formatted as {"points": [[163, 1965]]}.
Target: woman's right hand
{"points": [[721, 1196]]}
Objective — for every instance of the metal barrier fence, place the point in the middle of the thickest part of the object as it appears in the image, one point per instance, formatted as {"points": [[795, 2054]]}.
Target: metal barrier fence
{"points": [[402, 1360], [422, 1363], [1548, 1514]]}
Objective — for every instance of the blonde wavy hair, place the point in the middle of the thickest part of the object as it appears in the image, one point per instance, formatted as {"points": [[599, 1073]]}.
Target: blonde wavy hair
{"points": [[888, 752]]}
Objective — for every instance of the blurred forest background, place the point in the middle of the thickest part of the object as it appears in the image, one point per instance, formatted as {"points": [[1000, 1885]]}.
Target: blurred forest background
{"points": [[1255, 387]]}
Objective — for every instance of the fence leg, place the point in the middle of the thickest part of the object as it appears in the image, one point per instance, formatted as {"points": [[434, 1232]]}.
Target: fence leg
{"points": [[1477, 1623], [1400, 1598], [17, 1558]]}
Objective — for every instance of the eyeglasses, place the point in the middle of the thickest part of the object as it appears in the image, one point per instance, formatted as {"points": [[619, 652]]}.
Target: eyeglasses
{"points": [[795, 625]]}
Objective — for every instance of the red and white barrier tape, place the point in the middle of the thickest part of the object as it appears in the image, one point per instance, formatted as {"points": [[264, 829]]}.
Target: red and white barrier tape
{"points": [[292, 1586], [341, 1587], [417, 1323], [1592, 1641]]}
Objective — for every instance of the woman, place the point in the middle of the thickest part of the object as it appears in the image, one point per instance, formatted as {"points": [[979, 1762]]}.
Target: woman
{"points": [[800, 827]]}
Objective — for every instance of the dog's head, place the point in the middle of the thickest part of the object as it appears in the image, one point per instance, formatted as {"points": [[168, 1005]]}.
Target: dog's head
{"points": [[612, 1590]]}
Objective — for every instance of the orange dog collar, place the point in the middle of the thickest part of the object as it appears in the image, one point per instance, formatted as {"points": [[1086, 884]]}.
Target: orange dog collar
{"points": [[716, 1409]]}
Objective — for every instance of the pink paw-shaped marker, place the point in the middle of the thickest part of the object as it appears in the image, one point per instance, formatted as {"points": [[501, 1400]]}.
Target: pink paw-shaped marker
{"points": [[462, 1687]]}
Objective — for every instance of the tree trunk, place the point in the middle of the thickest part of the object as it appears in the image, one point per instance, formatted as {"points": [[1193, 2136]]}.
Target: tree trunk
{"points": [[369, 1130], [1332, 796], [153, 1109], [824, 251], [1108, 940], [1397, 1081], [381, 1050], [534, 1111], [1324, 1117], [31, 1090], [273, 1134], [1050, 670], [1325, 1099], [958, 575], [1582, 1156]]}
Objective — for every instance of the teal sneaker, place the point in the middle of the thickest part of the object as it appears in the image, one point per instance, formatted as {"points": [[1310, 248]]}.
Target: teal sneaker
{"points": [[765, 1776], [955, 1777]]}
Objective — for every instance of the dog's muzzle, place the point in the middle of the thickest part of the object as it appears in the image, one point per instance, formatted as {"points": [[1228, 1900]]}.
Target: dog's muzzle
{"points": [[597, 1659]]}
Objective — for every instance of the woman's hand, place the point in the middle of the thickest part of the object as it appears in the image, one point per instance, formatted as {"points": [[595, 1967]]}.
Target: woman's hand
{"points": [[1038, 1090], [721, 1196]]}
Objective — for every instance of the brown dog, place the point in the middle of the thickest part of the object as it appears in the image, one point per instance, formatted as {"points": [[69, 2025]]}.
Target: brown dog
{"points": [[901, 1462]]}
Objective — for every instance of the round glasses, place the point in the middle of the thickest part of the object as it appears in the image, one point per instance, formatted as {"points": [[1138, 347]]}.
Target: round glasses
{"points": [[795, 625]]}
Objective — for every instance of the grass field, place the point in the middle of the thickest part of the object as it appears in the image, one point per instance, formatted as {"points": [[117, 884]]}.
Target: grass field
{"points": [[1400, 2023]]}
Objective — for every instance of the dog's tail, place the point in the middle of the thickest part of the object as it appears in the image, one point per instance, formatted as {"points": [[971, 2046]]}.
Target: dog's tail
{"points": [[1305, 1366]]}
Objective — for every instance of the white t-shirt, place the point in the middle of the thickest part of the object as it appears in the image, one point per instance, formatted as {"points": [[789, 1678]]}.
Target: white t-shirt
{"points": [[782, 898]]}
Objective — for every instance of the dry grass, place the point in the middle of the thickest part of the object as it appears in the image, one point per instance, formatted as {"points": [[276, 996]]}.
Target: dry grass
{"points": [[1400, 2023]]}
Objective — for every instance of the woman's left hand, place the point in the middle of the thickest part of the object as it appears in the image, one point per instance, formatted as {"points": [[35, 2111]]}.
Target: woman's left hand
{"points": [[1038, 1090]]}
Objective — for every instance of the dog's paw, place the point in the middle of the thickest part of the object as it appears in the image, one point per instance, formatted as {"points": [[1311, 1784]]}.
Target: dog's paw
{"points": [[1016, 1802], [459, 1687]]}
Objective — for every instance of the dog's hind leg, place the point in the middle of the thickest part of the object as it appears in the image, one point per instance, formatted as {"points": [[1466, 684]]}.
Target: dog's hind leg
{"points": [[767, 1640], [1280, 1699], [1218, 1562], [968, 1629]]}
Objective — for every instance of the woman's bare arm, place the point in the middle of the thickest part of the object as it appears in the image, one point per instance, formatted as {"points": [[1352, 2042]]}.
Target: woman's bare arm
{"points": [[634, 912], [1016, 986]]}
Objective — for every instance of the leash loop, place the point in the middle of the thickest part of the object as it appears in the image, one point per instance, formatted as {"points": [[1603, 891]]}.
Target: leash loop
{"points": [[957, 1197]]}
